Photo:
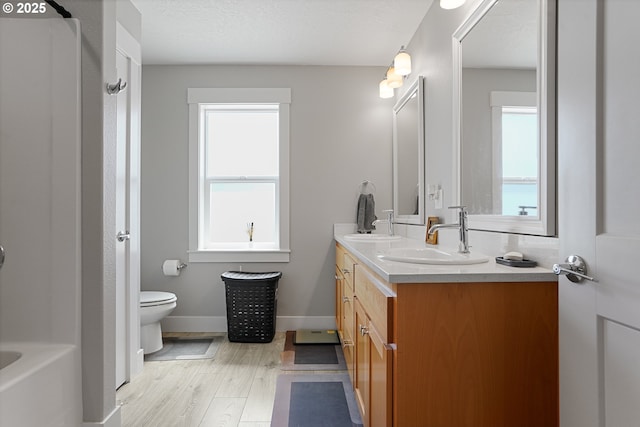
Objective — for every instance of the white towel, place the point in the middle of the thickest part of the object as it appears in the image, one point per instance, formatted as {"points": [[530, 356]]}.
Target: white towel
{"points": [[365, 213]]}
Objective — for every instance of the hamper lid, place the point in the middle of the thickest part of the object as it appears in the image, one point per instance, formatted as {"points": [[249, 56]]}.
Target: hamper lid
{"points": [[240, 275]]}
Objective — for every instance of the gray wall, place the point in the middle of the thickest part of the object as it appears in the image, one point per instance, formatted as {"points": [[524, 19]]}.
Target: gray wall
{"points": [[430, 50], [340, 135]]}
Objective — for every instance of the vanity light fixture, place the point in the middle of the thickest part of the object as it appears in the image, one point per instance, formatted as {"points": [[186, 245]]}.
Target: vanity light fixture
{"points": [[451, 4], [396, 72]]}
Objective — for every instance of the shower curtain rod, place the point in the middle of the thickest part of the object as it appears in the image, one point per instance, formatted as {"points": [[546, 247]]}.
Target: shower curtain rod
{"points": [[61, 10]]}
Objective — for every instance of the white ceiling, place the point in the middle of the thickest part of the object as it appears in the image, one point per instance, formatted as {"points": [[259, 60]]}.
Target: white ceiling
{"points": [[284, 32]]}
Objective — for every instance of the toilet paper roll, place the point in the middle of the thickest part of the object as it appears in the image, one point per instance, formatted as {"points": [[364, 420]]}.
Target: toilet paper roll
{"points": [[171, 267]]}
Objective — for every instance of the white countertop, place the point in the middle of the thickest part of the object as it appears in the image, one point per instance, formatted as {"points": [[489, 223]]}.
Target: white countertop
{"points": [[402, 272]]}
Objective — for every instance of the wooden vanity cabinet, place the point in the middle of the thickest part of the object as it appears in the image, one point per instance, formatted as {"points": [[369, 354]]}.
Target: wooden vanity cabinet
{"points": [[452, 354]]}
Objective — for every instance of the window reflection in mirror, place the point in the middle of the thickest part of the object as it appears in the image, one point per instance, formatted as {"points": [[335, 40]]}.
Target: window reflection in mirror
{"points": [[514, 132], [519, 165], [408, 155], [505, 73]]}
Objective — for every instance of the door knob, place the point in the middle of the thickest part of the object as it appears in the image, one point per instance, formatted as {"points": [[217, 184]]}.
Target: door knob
{"points": [[123, 235], [575, 269]]}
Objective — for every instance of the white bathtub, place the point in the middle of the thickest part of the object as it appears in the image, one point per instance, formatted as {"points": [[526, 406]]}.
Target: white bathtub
{"points": [[39, 388]]}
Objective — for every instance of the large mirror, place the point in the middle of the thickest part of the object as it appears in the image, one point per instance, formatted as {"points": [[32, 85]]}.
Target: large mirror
{"points": [[504, 95], [408, 155]]}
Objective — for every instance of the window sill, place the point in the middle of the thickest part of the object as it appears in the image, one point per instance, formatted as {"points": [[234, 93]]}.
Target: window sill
{"points": [[239, 255]]}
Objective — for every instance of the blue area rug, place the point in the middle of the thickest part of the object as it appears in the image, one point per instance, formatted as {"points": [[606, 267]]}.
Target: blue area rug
{"points": [[315, 400]]}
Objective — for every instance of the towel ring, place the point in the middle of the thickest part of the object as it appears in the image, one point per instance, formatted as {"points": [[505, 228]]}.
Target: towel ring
{"points": [[363, 187]]}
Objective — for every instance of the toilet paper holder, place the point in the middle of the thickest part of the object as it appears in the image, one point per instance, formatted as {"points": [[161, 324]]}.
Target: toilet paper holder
{"points": [[180, 266], [173, 267]]}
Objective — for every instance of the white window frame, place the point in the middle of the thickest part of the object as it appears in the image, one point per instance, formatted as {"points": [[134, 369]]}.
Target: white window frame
{"points": [[195, 98]]}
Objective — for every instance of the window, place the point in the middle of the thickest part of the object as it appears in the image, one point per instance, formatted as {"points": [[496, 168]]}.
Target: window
{"points": [[516, 152], [239, 175], [519, 161]]}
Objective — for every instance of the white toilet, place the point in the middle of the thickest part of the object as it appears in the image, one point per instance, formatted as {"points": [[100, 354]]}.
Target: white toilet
{"points": [[154, 306]]}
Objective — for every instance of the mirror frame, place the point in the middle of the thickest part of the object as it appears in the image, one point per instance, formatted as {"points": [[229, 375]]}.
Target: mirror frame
{"points": [[545, 223], [416, 87]]}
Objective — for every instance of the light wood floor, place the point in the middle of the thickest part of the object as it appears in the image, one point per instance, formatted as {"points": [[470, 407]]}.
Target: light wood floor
{"points": [[236, 388]]}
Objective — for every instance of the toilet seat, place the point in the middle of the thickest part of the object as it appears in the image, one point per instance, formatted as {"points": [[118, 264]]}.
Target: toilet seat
{"points": [[153, 298]]}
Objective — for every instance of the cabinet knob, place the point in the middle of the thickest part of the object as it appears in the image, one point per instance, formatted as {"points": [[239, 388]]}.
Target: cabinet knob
{"points": [[345, 299], [347, 343], [346, 271], [364, 330]]}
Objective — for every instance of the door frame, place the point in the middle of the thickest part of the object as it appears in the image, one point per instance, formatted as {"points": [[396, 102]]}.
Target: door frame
{"points": [[128, 46]]}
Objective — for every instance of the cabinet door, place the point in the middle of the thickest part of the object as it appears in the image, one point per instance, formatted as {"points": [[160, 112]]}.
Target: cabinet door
{"points": [[380, 375], [361, 383], [348, 344]]}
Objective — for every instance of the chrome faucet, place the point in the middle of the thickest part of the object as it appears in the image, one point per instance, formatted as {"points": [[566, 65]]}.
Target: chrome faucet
{"points": [[389, 221], [463, 246]]}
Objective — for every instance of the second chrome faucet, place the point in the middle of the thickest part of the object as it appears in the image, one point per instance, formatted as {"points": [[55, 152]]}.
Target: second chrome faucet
{"points": [[463, 246]]}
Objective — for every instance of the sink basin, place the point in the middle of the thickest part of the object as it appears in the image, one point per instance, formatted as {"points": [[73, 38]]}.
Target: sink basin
{"points": [[371, 237], [431, 256]]}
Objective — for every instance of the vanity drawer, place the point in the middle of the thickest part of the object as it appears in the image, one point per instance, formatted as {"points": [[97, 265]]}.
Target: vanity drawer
{"points": [[376, 299], [348, 268]]}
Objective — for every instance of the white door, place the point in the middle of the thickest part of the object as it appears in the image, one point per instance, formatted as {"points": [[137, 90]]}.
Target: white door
{"points": [[599, 211], [122, 232]]}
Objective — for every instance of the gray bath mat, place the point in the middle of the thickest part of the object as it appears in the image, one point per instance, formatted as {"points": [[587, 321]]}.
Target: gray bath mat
{"points": [[316, 400], [185, 349]]}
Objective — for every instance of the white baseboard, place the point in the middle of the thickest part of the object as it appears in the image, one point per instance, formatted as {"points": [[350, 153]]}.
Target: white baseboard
{"points": [[219, 323], [194, 324], [112, 420]]}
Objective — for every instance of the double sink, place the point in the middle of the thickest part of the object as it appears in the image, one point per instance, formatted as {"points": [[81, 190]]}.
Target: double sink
{"points": [[420, 255]]}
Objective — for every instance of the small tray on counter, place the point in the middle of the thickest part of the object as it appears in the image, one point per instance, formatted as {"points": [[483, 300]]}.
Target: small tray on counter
{"points": [[516, 263]]}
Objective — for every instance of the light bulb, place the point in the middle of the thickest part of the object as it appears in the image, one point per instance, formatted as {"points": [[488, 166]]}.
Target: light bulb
{"points": [[402, 63], [394, 79], [451, 4], [385, 90]]}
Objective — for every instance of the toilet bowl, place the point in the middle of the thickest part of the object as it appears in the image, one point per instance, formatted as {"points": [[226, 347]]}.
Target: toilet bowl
{"points": [[154, 306]]}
